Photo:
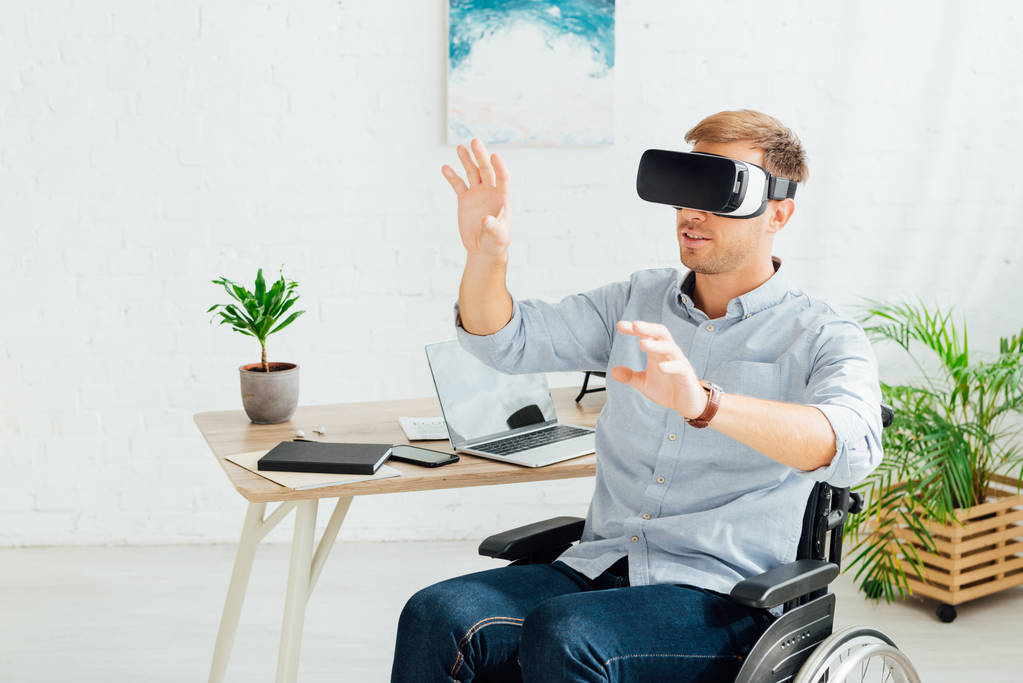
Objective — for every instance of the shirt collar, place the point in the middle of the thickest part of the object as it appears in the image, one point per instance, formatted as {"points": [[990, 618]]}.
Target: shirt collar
{"points": [[746, 305]]}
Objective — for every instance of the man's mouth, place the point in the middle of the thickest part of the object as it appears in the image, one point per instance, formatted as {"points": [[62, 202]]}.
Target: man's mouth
{"points": [[693, 240]]}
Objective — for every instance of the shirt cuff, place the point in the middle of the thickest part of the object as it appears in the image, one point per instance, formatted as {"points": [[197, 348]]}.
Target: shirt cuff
{"points": [[486, 344]]}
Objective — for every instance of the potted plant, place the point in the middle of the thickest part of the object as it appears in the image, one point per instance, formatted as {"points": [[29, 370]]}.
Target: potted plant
{"points": [[940, 515], [269, 390]]}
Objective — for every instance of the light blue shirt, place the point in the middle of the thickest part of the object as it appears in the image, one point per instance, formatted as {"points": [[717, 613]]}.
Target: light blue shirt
{"points": [[690, 505]]}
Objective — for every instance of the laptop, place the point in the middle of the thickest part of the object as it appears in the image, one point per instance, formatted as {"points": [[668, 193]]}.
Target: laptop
{"points": [[504, 417]]}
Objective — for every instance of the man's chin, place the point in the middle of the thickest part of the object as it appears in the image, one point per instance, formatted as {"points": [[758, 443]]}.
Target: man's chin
{"points": [[696, 264]]}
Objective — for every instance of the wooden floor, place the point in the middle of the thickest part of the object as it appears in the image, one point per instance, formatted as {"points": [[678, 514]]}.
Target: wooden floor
{"points": [[150, 614]]}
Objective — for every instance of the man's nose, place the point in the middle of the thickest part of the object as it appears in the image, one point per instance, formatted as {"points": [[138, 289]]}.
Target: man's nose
{"points": [[691, 215]]}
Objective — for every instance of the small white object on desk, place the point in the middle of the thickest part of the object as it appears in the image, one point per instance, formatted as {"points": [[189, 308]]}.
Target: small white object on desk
{"points": [[424, 428], [320, 430]]}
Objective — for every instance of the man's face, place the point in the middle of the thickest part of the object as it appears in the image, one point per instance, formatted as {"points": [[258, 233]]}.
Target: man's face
{"points": [[727, 244]]}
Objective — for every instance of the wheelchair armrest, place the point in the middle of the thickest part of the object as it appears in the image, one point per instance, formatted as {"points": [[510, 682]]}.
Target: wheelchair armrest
{"points": [[787, 582], [533, 538]]}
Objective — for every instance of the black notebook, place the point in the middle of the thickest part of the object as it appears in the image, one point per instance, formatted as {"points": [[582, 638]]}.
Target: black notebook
{"points": [[332, 458]]}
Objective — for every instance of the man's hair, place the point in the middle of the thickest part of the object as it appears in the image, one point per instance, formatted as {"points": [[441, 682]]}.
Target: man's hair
{"points": [[783, 153]]}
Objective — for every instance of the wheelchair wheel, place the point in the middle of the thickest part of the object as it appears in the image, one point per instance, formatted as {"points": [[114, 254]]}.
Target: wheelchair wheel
{"points": [[858, 654]]}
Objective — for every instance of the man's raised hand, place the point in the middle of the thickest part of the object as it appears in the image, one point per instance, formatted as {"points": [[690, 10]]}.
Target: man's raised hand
{"points": [[484, 222], [669, 379]]}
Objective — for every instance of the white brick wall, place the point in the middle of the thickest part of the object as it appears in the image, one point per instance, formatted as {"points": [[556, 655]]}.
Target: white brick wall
{"points": [[147, 147]]}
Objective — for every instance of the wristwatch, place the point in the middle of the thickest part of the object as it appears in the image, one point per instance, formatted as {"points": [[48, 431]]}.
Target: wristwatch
{"points": [[713, 401]]}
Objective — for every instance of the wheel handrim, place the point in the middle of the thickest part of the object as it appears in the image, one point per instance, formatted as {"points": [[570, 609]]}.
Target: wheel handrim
{"points": [[853, 648], [900, 671]]}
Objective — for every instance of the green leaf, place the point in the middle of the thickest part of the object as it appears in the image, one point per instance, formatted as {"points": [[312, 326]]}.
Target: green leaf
{"points": [[286, 305], [290, 319], [233, 310], [252, 307], [260, 285], [277, 289], [229, 287], [273, 300]]}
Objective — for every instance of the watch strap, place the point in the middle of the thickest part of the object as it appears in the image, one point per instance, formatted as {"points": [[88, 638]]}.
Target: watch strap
{"points": [[713, 402]]}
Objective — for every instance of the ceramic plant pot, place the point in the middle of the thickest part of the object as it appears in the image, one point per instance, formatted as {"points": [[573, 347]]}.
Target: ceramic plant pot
{"points": [[269, 397]]}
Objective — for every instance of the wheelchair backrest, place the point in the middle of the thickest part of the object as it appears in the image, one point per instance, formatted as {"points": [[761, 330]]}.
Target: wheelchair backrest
{"points": [[824, 498]]}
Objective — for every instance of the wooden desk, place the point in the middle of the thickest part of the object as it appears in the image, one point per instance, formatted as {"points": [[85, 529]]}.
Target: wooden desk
{"points": [[231, 432]]}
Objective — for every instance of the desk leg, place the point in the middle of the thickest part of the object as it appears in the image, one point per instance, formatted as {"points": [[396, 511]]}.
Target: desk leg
{"points": [[297, 595], [236, 591]]}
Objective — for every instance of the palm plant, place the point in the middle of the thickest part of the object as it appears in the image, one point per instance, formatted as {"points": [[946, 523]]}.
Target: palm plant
{"points": [[952, 430], [258, 310]]}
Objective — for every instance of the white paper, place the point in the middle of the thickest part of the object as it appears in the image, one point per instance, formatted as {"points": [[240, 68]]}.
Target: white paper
{"points": [[306, 480]]}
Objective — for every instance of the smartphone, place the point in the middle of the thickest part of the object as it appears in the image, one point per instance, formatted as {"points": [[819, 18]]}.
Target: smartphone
{"points": [[422, 456]]}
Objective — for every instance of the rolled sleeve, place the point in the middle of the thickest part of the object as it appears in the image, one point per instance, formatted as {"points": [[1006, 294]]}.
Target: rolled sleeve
{"points": [[574, 334], [844, 386], [487, 347]]}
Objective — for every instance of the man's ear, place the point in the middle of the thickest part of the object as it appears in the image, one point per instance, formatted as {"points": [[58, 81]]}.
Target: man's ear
{"points": [[779, 214]]}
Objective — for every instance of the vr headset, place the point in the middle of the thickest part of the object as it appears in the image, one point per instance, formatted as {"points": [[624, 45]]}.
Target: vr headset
{"points": [[709, 182]]}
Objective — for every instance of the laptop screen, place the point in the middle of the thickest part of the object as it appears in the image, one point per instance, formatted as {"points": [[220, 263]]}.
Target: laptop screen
{"points": [[479, 401]]}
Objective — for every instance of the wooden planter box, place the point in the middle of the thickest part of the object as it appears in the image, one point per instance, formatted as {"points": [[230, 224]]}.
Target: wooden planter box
{"points": [[981, 557]]}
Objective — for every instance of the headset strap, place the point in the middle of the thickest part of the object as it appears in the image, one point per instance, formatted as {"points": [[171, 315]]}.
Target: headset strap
{"points": [[780, 188]]}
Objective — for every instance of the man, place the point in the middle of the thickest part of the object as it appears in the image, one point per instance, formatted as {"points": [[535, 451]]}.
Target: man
{"points": [[680, 513]]}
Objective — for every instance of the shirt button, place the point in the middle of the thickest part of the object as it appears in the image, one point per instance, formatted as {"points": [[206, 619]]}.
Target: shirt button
{"points": [[710, 328], [646, 516], [683, 299], [747, 316], [635, 539], [660, 480], [671, 437]]}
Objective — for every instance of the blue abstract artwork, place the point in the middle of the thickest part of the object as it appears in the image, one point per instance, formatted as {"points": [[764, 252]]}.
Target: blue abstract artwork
{"points": [[531, 72]]}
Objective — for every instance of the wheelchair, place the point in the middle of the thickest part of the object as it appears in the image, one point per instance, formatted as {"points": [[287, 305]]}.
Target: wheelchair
{"points": [[800, 645]]}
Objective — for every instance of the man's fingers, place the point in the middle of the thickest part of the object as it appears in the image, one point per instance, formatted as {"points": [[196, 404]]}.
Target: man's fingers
{"points": [[457, 184], [639, 328], [663, 347], [471, 172], [655, 330], [486, 170], [501, 173], [673, 367]]}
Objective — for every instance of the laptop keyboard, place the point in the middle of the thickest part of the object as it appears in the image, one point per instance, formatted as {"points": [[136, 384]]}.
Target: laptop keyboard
{"points": [[524, 442]]}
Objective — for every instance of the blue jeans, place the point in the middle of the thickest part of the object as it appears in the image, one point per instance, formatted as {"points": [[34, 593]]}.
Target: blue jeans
{"points": [[548, 622]]}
